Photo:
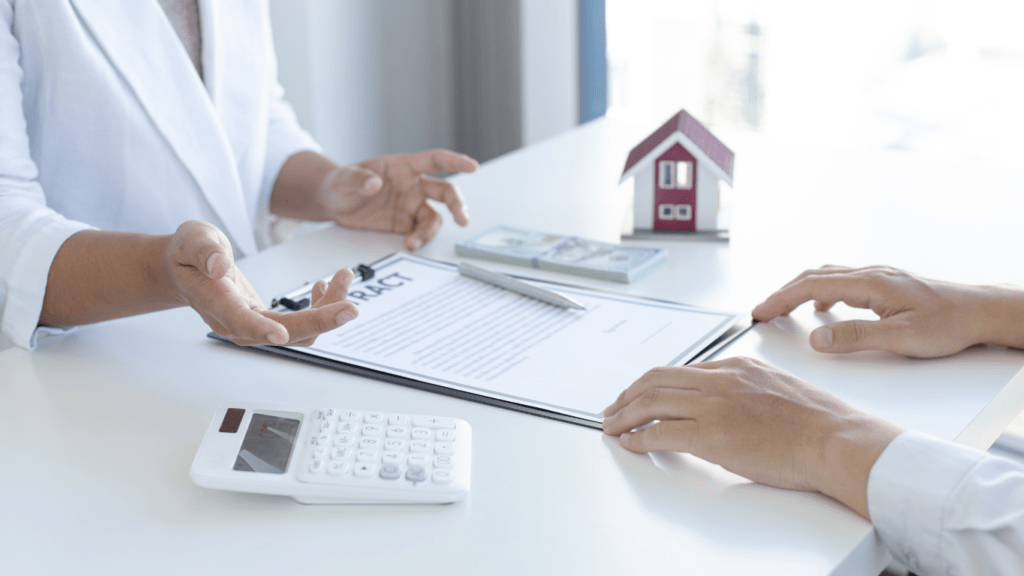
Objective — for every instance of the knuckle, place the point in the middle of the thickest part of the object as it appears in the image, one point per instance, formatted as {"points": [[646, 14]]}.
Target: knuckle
{"points": [[855, 331], [651, 398], [658, 371]]}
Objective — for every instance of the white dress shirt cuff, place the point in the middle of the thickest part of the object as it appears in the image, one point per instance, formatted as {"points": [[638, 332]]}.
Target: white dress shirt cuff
{"points": [[908, 490]]}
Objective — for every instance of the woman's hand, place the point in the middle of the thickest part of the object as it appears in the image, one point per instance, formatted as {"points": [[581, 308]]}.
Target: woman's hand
{"points": [[388, 194], [203, 275], [917, 317], [756, 421]]}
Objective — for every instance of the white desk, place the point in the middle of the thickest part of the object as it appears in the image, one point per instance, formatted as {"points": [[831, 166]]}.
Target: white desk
{"points": [[100, 427]]}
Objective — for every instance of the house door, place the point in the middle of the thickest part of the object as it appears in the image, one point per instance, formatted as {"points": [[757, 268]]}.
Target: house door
{"points": [[675, 190]]}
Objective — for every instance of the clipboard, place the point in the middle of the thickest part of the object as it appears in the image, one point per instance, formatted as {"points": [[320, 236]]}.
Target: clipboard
{"points": [[505, 401]]}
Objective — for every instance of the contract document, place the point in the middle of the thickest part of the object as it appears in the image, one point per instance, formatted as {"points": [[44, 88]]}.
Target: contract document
{"points": [[421, 321]]}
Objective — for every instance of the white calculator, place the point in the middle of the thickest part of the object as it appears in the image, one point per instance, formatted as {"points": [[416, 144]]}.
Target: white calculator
{"points": [[335, 456]]}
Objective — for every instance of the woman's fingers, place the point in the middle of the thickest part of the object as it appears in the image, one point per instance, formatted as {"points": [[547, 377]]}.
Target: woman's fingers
{"points": [[426, 225], [202, 246], [440, 160], [448, 193]]}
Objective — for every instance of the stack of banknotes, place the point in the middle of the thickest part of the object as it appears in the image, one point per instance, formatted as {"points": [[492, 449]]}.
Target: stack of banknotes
{"points": [[567, 254]]}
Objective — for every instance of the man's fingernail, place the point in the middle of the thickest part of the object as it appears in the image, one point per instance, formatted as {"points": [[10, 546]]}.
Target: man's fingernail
{"points": [[822, 338], [417, 244], [275, 339], [344, 317], [211, 262], [372, 184]]}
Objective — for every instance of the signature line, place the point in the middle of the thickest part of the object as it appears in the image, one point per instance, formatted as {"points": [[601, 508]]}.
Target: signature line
{"points": [[656, 333]]}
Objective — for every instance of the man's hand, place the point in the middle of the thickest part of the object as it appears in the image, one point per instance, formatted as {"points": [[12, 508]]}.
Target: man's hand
{"points": [[755, 421], [917, 317], [204, 276]]}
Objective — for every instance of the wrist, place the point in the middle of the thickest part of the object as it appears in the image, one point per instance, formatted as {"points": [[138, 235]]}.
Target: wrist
{"points": [[999, 311], [848, 452], [158, 266], [302, 186]]}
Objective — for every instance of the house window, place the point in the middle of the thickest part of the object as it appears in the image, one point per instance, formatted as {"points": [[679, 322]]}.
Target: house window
{"points": [[684, 175], [666, 211], [666, 174], [684, 212]]}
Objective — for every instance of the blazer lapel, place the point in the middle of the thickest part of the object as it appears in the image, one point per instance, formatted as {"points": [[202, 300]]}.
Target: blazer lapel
{"points": [[139, 41]]}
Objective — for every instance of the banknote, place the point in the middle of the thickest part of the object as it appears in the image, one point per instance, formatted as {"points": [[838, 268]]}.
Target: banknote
{"points": [[568, 254]]}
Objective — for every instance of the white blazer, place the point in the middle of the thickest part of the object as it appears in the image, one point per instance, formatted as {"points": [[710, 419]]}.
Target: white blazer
{"points": [[104, 123]]}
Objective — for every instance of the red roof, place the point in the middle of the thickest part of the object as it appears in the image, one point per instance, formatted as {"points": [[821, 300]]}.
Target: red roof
{"points": [[692, 129]]}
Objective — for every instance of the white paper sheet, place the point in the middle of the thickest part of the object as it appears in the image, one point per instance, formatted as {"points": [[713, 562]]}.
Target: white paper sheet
{"points": [[422, 320]]}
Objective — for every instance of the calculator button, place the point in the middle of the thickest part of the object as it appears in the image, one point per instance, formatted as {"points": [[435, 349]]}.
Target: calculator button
{"points": [[320, 452], [436, 422], [349, 416], [338, 467], [369, 443], [390, 472], [446, 448], [344, 440], [326, 426], [421, 434], [342, 453], [374, 418], [444, 462], [329, 414], [395, 444], [366, 456], [397, 431], [371, 430], [442, 476], [316, 466], [419, 460], [364, 470], [418, 446], [398, 419], [416, 474], [347, 428], [393, 458], [445, 436], [323, 438]]}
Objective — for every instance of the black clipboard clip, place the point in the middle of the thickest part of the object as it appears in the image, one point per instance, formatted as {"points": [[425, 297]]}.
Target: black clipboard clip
{"points": [[299, 299]]}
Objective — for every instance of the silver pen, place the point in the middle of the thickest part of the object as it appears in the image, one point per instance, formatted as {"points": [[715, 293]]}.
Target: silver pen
{"points": [[513, 285]]}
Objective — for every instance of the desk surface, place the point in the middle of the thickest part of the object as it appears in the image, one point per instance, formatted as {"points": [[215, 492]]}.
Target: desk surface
{"points": [[101, 426]]}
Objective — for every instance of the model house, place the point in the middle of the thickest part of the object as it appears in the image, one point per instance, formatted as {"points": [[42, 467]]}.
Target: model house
{"points": [[676, 172]]}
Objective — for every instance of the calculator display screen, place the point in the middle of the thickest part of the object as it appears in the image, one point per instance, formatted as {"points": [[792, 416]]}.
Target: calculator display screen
{"points": [[267, 444]]}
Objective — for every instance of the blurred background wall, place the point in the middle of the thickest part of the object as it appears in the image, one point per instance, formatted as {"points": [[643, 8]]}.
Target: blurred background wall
{"points": [[370, 77], [480, 76]]}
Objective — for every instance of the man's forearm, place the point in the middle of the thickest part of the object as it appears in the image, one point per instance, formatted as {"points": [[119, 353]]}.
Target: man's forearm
{"points": [[98, 275], [1002, 315]]}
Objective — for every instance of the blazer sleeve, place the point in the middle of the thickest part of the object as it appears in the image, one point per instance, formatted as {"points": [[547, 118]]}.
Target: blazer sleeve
{"points": [[941, 508], [30, 232], [285, 138]]}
